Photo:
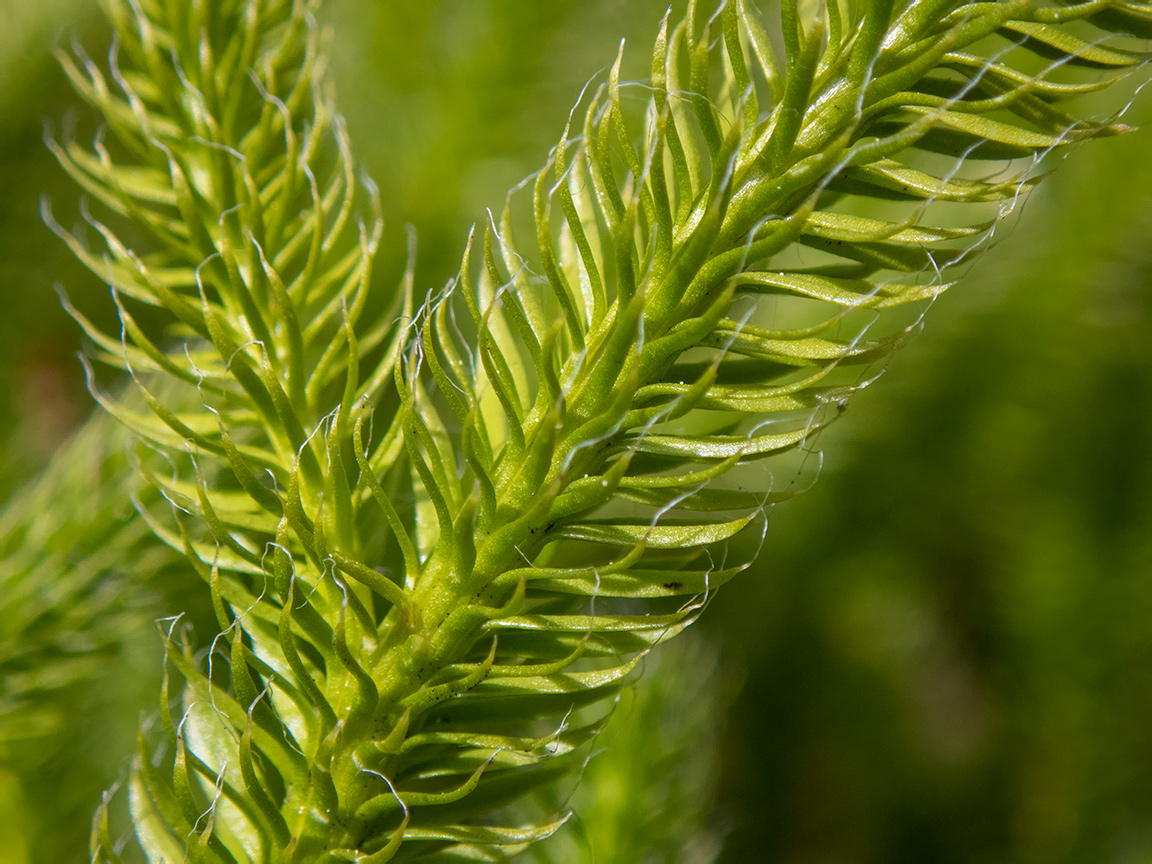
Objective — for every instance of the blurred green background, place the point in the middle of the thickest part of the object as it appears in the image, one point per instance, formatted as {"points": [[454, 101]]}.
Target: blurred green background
{"points": [[946, 645]]}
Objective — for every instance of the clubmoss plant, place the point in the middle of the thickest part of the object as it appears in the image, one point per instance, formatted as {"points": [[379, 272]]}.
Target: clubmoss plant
{"points": [[440, 529]]}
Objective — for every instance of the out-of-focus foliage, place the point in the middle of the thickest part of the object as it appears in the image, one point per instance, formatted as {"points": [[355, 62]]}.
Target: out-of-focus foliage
{"points": [[82, 580], [41, 392], [946, 641]]}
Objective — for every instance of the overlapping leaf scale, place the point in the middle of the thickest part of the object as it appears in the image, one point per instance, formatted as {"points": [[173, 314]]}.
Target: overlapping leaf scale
{"points": [[687, 287]]}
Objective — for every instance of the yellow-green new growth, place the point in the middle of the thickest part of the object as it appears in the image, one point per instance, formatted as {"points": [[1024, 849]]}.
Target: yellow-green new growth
{"points": [[437, 544]]}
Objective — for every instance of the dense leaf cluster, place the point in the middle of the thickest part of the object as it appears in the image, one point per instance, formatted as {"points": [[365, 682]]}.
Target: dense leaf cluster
{"points": [[439, 537]]}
